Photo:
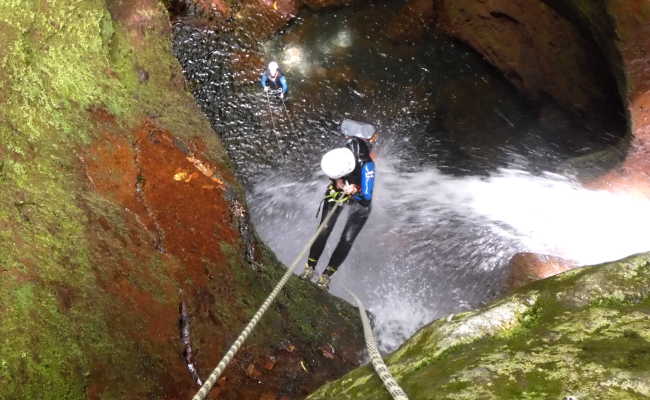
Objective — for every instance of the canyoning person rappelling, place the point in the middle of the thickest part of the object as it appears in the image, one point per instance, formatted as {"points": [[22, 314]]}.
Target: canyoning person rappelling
{"points": [[273, 81], [352, 176]]}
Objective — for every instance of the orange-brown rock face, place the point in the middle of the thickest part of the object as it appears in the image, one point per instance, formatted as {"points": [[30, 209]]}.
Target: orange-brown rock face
{"points": [[541, 51], [220, 7], [632, 24], [525, 268], [316, 4], [177, 205], [263, 18], [259, 19], [537, 49], [216, 10]]}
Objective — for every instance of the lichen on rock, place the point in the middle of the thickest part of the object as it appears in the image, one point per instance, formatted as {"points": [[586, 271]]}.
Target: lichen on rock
{"points": [[583, 333]]}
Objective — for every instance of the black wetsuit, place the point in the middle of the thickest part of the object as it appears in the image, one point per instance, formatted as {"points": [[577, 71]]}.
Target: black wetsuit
{"points": [[359, 207]]}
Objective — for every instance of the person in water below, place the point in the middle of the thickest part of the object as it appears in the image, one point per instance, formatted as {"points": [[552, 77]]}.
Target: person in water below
{"points": [[352, 177], [273, 80]]}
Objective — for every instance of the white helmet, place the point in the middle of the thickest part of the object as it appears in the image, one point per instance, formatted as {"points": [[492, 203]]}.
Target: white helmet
{"points": [[338, 162], [273, 67]]}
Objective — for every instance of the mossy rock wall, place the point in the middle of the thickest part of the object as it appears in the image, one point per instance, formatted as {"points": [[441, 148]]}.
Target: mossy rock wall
{"points": [[117, 204], [584, 333]]}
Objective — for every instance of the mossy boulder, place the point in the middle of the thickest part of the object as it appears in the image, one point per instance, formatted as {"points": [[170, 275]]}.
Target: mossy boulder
{"points": [[117, 205], [584, 333]]}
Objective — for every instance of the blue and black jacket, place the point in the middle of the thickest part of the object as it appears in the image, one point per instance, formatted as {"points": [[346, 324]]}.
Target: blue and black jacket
{"points": [[279, 81], [367, 177]]}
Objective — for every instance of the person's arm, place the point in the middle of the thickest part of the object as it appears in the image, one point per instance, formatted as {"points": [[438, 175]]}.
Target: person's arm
{"points": [[283, 83], [264, 80], [367, 184]]}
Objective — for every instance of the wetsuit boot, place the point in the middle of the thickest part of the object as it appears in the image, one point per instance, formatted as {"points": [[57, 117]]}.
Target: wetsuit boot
{"points": [[324, 280], [310, 267]]}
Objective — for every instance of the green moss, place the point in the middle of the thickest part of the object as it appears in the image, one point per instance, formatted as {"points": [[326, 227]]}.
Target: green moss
{"points": [[629, 351], [22, 354], [49, 76], [60, 59], [300, 308], [567, 342], [533, 385], [69, 324]]}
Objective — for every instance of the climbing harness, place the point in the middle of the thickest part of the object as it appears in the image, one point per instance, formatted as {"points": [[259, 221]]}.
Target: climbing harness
{"points": [[377, 362], [212, 379], [334, 196]]}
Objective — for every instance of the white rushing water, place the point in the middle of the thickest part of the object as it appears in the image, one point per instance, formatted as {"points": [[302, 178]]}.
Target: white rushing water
{"points": [[437, 244]]}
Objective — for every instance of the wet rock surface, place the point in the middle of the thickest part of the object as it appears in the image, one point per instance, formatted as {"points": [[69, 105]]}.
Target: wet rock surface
{"points": [[537, 49], [631, 21], [615, 32], [525, 268], [581, 334]]}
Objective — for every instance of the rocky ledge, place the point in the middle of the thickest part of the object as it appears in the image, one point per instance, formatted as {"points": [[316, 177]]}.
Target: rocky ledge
{"points": [[584, 333]]}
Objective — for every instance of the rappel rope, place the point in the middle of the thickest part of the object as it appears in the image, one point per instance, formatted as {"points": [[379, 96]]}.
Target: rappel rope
{"points": [[375, 357], [212, 379], [286, 112], [268, 101]]}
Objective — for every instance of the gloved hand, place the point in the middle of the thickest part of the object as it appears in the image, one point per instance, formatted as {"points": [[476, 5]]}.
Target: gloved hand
{"points": [[350, 189], [282, 95], [266, 89]]}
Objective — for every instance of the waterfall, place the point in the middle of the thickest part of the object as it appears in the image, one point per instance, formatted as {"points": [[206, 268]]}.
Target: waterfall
{"points": [[437, 244]]}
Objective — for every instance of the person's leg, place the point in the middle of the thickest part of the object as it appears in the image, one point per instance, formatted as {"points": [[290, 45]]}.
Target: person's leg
{"points": [[356, 220], [318, 246]]}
